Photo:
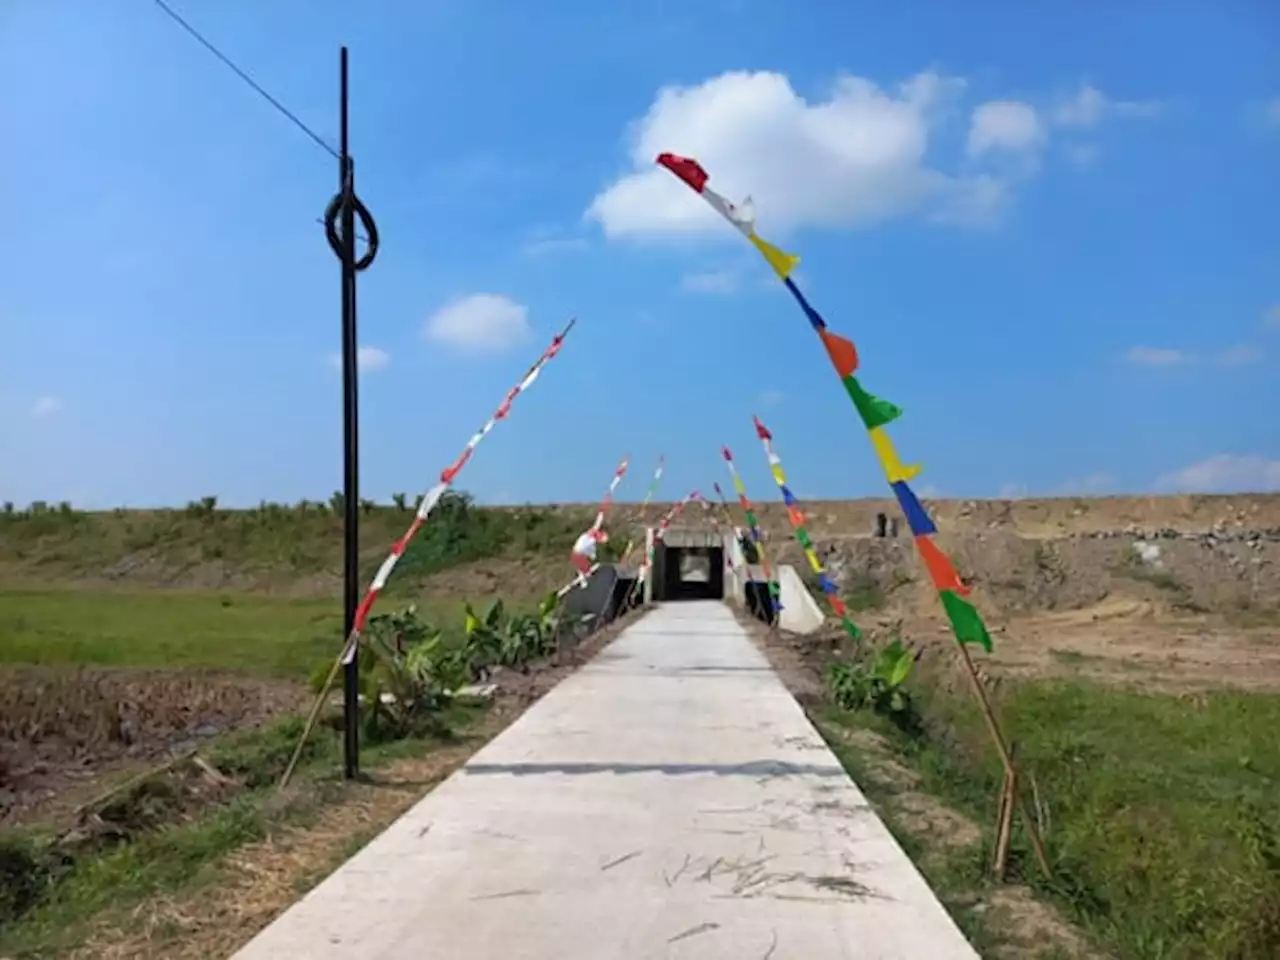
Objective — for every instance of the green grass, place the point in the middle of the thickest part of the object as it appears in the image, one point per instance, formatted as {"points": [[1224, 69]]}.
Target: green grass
{"points": [[114, 879], [1164, 811], [270, 542], [248, 634]]}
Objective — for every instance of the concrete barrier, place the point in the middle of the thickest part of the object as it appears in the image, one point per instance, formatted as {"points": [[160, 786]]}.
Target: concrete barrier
{"points": [[800, 612]]}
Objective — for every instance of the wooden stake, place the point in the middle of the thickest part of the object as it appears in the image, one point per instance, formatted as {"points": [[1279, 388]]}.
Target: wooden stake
{"points": [[110, 794], [993, 727], [316, 707], [1004, 821]]}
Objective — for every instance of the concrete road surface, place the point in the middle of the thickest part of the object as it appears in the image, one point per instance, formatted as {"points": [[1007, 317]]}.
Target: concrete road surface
{"points": [[669, 800]]}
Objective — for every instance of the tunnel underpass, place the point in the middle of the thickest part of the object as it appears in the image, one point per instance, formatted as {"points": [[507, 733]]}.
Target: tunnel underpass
{"points": [[688, 565]]}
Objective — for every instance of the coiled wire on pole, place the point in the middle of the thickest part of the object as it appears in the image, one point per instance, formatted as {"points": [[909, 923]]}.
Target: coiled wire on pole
{"points": [[346, 197]]}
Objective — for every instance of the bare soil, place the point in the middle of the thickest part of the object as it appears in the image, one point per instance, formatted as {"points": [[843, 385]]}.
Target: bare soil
{"points": [[63, 732], [261, 880]]}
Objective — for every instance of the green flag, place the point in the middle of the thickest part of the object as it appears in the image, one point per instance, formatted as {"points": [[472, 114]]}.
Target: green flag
{"points": [[803, 537], [965, 622], [874, 411]]}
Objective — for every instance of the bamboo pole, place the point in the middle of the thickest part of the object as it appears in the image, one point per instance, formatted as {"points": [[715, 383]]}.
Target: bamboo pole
{"points": [[993, 727], [316, 707]]}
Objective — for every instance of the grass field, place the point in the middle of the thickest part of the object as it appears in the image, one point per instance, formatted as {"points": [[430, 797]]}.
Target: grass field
{"points": [[1163, 810], [244, 633], [122, 634]]}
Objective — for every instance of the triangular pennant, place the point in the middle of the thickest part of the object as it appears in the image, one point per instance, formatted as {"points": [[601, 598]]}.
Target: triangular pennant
{"points": [[788, 497], [894, 468], [965, 622], [853, 632], [941, 570], [815, 318], [778, 475], [741, 215], [688, 170], [843, 354], [827, 586], [873, 411], [781, 261], [918, 520], [795, 516], [802, 537], [814, 563]]}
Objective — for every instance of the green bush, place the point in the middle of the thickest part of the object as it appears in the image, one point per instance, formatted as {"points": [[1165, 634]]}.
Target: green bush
{"points": [[877, 683]]}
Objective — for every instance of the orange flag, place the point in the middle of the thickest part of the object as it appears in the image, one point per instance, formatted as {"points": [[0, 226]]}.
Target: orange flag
{"points": [[843, 354], [941, 571]]}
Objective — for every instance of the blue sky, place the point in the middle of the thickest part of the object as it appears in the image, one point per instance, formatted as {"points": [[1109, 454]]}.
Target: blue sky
{"points": [[1050, 231]]}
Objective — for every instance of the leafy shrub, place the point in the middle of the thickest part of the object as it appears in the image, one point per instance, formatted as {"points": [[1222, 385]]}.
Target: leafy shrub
{"points": [[458, 532], [878, 684], [407, 674]]}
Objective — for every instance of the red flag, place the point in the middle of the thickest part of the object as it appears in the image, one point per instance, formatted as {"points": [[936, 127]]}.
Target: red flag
{"points": [[724, 452], [690, 171], [941, 571], [843, 354], [761, 431]]}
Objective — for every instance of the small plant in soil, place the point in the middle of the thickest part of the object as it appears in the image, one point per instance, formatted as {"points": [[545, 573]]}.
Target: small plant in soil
{"points": [[877, 683]]}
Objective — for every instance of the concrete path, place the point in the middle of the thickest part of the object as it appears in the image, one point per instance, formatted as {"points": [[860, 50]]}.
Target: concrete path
{"points": [[669, 800]]}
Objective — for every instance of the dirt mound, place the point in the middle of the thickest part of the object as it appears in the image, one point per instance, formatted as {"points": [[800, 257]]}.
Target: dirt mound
{"points": [[59, 728]]}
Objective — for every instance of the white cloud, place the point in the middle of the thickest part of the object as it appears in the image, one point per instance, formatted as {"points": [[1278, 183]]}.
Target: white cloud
{"points": [[480, 322], [1271, 318], [771, 398], [1225, 473], [47, 407], [1157, 357], [712, 281], [1089, 107], [1004, 125], [1240, 355], [856, 157], [368, 359]]}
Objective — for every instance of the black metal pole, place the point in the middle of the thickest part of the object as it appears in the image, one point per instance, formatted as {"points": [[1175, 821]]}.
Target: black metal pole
{"points": [[350, 438]]}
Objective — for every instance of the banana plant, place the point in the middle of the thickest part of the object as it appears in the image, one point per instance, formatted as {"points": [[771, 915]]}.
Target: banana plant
{"points": [[880, 685], [484, 639]]}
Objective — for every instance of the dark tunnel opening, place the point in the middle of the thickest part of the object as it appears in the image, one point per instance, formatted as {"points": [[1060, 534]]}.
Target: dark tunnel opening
{"points": [[688, 573]]}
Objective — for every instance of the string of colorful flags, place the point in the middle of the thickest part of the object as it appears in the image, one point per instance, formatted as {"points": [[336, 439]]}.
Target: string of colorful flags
{"points": [[632, 541], [724, 507], [802, 534], [753, 527], [583, 554], [581, 579], [607, 503], [716, 525], [875, 412], [429, 499], [659, 534]]}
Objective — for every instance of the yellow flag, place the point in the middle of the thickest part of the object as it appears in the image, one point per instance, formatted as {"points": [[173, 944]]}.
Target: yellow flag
{"points": [[894, 469], [781, 261], [778, 475], [814, 563]]}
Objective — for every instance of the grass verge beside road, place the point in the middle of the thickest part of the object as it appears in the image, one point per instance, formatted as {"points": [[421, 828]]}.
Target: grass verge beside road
{"points": [[1163, 810], [87, 894]]}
